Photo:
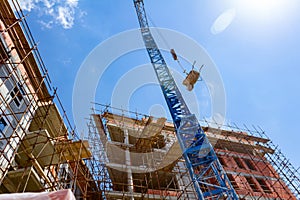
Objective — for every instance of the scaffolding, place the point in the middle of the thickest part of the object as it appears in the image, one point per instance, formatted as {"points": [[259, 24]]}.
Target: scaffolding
{"points": [[128, 155], [131, 163], [39, 149]]}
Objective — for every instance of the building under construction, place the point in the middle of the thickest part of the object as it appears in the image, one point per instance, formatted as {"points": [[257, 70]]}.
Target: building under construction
{"points": [[139, 158], [127, 155], [39, 150]]}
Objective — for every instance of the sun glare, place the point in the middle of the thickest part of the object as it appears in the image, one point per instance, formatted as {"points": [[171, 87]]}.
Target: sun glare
{"points": [[263, 9]]}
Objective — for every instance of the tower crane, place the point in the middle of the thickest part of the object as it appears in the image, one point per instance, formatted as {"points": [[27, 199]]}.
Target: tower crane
{"points": [[208, 176]]}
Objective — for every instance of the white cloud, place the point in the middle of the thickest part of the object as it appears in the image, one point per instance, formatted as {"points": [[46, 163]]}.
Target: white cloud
{"points": [[27, 4], [82, 14], [66, 17], [49, 4], [53, 12], [72, 3], [47, 25]]}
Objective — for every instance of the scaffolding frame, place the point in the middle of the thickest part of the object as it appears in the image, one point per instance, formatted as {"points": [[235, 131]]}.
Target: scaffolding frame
{"points": [[39, 148], [41, 151], [253, 164]]}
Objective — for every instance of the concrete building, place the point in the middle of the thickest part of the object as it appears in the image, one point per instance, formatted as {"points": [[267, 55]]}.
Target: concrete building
{"points": [[38, 150], [128, 155], [141, 159]]}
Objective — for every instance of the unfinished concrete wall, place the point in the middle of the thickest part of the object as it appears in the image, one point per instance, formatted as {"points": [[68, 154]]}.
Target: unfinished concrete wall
{"points": [[121, 136]]}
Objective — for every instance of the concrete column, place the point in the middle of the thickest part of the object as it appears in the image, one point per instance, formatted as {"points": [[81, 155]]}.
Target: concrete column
{"points": [[128, 164]]}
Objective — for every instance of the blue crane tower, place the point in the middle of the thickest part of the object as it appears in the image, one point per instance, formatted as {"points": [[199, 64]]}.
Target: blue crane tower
{"points": [[209, 178]]}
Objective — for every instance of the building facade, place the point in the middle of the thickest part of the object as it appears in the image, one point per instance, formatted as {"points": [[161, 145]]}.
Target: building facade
{"points": [[128, 156], [141, 159], [39, 150]]}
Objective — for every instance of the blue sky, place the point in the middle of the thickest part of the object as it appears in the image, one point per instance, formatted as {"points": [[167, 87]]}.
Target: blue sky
{"points": [[254, 44]]}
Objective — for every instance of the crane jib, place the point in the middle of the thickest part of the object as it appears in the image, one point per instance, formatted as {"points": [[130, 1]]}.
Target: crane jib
{"points": [[209, 178]]}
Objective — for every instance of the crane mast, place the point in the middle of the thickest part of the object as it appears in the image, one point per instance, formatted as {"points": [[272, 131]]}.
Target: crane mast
{"points": [[209, 178]]}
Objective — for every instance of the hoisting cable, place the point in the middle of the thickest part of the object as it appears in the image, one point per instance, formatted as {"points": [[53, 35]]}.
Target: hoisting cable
{"points": [[167, 45], [159, 33], [174, 55], [200, 77], [172, 51]]}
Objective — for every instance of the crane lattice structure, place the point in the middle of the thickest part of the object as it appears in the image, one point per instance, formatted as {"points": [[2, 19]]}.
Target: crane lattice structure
{"points": [[209, 178]]}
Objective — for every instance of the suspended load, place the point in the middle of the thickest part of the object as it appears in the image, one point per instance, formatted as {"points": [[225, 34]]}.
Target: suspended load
{"points": [[191, 79], [174, 55]]}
